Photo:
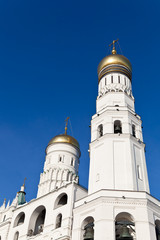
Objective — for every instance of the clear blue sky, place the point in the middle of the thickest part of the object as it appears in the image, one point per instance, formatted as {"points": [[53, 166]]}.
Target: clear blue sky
{"points": [[49, 53]]}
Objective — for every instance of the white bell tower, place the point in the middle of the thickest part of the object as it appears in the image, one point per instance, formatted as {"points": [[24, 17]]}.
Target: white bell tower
{"points": [[117, 151]]}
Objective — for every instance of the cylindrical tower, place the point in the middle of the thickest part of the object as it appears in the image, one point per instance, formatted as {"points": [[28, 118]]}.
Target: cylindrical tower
{"points": [[61, 163]]}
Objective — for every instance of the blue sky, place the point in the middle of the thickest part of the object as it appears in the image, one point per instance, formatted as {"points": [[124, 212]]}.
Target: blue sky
{"points": [[49, 53]]}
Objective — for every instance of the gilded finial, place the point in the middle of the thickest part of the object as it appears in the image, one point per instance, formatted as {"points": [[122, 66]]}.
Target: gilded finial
{"points": [[113, 43], [24, 182], [66, 125]]}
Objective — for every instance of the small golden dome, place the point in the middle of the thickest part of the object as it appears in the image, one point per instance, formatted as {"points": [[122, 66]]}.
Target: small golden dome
{"points": [[64, 138], [115, 61]]}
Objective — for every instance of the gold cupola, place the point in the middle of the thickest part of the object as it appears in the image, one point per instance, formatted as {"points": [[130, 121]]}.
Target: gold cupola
{"points": [[64, 138], [114, 63]]}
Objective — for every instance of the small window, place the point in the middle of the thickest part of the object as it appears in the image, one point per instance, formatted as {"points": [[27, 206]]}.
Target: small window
{"points": [[111, 79], [16, 236], [60, 158], [59, 221], [61, 200], [125, 81], [118, 79], [105, 81], [72, 162], [4, 218], [133, 130], [19, 219], [117, 126], [100, 130]]}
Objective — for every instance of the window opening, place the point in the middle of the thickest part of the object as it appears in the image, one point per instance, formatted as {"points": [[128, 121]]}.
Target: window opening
{"points": [[111, 79], [157, 228], [72, 161], [88, 229], [133, 130], [118, 79], [125, 81], [117, 126], [59, 221], [124, 227], [100, 130], [16, 236]]}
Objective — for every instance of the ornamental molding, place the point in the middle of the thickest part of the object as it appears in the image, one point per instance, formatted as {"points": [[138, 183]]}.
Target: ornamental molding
{"points": [[115, 87]]}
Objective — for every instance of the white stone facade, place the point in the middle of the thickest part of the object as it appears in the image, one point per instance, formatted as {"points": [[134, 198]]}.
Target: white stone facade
{"points": [[118, 200]]}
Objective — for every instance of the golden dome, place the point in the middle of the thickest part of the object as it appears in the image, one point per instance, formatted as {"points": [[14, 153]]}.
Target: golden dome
{"points": [[112, 63], [64, 138]]}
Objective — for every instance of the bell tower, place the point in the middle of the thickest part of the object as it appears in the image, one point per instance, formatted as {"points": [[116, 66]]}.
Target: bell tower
{"points": [[117, 151]]}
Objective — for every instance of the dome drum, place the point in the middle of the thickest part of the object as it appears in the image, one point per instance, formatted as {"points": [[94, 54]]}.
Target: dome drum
{"points": [[114, 69]]}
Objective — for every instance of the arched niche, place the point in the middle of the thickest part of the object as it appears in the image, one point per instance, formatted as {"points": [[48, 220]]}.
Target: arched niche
{"points": [[61, 200], [19, 219], [117, 126], [124, 226], [37, 219], [87, 229]]}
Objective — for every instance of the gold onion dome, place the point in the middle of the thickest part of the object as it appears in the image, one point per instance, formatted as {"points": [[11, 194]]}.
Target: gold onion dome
{"points": [[64, 138], [114, 63]]}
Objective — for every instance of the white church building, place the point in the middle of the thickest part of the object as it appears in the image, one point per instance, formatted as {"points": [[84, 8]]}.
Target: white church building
{"points": [[118, 204]]}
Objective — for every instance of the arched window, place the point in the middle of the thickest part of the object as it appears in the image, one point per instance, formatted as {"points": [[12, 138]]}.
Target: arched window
{"points": [[59, 220], [133, 130], [124, 227], [19, 219], [37, 220], [157, 228], [88, 229], [100, 131], [117, 126], [61, 200], [16, 236]]}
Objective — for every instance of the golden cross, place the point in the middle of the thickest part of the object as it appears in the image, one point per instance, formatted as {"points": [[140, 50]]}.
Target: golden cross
{"points": [[113, 43], [66, 125], [24, 181]]}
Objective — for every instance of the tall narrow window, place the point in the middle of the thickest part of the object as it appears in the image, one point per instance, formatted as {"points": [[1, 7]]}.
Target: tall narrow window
{"points": [[4, 218], [59, 221], [125, 81], [60, 158], [100, 131], [16, 236], [133, 130], [105, 81], [111, 79], [118, 79], [72, 162], [117, 126]]}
